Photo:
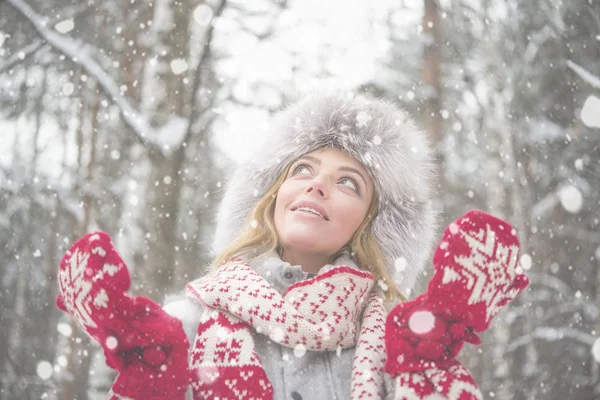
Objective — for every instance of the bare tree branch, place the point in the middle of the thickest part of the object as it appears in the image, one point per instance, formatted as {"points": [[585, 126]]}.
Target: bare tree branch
{"points": [[551, 282], [21, 55], [74, 50], [38, 44], [71, 12], [551, 334], [584, 74]]}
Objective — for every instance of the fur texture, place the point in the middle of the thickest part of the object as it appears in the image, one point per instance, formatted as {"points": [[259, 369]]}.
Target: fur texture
{"points": [[375, 132]]}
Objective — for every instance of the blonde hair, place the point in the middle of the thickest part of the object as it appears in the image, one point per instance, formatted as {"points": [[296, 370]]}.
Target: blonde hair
{"points": [[259, 237]]}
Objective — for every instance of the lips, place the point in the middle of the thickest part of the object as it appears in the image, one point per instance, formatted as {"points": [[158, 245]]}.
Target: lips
{"points": [[309, 206]]}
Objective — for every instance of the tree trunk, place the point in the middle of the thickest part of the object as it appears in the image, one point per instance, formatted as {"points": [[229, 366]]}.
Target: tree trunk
{"points": [[432, 89], [78, 351], [161, 240], [432, 77]]}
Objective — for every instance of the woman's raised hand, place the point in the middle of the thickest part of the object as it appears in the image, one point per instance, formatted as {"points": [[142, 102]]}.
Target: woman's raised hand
{"points": [[476, 274], [146, 345]]}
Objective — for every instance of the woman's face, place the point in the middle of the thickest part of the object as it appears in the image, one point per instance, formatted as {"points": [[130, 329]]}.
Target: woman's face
{"points": [[322, 202]]}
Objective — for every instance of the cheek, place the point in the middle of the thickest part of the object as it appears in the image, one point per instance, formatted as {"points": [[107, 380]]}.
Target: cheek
{"points": [[354, 213]]}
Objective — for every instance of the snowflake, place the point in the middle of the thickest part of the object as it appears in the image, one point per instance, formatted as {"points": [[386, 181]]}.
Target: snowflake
{"points": [[101, 299], [76, 289]]}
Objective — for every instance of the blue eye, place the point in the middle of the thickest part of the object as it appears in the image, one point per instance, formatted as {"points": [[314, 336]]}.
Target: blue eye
{"points": [[301, 167], [353, 185]]}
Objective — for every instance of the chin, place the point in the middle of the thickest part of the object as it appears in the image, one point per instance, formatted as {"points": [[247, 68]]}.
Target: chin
{"points": [[304, 243]]}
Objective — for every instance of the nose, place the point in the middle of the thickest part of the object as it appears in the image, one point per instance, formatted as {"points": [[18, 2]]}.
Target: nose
{"points": [[318, 187]]}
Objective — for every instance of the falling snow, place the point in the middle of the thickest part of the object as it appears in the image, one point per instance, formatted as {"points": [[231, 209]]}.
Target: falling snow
{"points": [[525, 262], [596, 350], [590, 113], [421, 322], [65, 26], [111, 342], [44, 370], [571, 199], [102, 128]]}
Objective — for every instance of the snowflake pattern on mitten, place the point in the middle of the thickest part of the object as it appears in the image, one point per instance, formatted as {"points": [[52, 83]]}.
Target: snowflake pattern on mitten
{"points": [[476, 274], [90, 275], [146, 345]]}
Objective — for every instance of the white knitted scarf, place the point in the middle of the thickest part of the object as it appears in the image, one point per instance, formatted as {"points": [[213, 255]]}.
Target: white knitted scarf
{"points": [[320, 314]]}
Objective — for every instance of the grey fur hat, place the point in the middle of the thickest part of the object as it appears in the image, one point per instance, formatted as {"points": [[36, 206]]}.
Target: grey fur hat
{"points": [[375, 132]]}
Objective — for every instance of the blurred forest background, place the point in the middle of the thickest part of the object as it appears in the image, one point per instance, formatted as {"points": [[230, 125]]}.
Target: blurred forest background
{"points": [[128, 115]]}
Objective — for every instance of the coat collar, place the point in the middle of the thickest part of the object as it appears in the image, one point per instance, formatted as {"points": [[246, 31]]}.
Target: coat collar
{"points": [[281, 274], [272, 260]]}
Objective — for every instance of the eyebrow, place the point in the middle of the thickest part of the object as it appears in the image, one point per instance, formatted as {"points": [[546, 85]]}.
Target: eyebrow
{"points": [[348, 169]]}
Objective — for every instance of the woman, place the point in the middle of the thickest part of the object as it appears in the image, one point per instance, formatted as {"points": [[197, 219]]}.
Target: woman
{"points": [[329, 221]]}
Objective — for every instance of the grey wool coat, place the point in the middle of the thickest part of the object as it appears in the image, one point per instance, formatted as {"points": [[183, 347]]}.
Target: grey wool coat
{"points": [[314, 375]]}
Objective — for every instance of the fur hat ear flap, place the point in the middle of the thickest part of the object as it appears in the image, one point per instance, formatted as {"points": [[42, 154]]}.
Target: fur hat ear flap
{"points": [[377, 133]]}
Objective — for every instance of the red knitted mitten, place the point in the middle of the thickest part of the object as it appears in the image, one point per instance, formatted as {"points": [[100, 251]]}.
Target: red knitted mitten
{"points": [[475, 276], [146, 345]]}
